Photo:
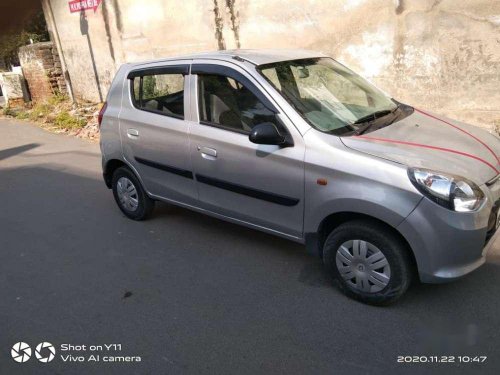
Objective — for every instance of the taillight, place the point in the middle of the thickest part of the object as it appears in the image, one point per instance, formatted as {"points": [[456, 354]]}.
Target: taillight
{"points": [[101, 113]]}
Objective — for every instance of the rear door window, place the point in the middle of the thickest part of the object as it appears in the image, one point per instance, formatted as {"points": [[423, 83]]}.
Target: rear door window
{"points": [[161, 93]]}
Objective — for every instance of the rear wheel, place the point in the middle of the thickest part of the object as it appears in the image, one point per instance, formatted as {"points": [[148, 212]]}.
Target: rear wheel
{"points": [[368, 261], [130, 195]]}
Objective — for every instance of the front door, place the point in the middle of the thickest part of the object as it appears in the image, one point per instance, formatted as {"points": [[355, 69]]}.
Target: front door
{"points": [[259, 184]]}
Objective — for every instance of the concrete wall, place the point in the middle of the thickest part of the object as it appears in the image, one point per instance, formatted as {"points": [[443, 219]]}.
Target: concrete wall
{"points": [[442, 55], [13, 89], [42, 70]]}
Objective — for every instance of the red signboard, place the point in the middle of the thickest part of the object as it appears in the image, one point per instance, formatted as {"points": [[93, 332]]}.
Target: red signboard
{"points": [[83, 5]]}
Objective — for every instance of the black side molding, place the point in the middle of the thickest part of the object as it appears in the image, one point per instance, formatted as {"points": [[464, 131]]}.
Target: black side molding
{"points": [[254, 193], [235, 188], [166, 168]]}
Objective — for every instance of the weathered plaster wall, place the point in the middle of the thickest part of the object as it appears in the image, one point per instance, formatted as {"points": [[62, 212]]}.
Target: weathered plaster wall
{"points": [[437, 54]]}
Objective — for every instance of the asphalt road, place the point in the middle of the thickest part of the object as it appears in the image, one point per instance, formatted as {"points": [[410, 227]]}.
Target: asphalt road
{"points": [[190, 294]]}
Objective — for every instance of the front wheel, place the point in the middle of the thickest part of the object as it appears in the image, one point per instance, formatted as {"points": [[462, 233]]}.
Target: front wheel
{"points": [[130, 195], [368, 261]]}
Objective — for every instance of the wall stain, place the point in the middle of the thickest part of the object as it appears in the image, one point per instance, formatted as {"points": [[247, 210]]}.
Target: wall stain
{"points": [[219, 26], [399, 40], [235, 23], [400, 6], [105, 17], [436, 3], [118, 16]]}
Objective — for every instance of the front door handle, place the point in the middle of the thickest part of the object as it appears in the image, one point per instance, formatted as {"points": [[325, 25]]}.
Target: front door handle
{"points": [[207, 152], [132, 133]]}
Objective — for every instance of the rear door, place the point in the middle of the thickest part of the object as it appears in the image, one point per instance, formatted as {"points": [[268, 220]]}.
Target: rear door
{"points": [[259, 184], [154, 132]]}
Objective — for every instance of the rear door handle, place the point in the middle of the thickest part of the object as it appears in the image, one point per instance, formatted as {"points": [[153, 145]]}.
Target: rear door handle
{"points": [[132, 133], [207, 152]]}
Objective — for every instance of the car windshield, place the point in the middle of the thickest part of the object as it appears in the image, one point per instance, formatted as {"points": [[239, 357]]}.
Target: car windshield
{"points": [[329, 96]]}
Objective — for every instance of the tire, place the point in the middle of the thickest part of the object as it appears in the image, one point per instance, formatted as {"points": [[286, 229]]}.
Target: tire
{"points": [[135, 204], [355, 273]]}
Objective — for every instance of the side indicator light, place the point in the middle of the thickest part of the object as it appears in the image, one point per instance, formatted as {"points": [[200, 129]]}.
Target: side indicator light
{"points": [[322, 181]]}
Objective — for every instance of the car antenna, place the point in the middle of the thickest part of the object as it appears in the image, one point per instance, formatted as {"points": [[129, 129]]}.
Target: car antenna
{"points": [[239, 58]]}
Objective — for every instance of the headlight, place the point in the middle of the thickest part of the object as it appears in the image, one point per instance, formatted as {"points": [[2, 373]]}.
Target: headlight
{"points": [[453, 192]]}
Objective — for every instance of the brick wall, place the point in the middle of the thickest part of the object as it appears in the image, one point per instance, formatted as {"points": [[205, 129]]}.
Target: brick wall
{"points": [[42, 70]]}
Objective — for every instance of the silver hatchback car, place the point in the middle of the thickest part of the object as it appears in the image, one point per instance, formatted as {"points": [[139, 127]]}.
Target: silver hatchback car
{"points": [[295, 144]]}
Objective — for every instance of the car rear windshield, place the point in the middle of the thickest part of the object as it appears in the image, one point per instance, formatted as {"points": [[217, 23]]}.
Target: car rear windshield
{"points": [[330, 97]]}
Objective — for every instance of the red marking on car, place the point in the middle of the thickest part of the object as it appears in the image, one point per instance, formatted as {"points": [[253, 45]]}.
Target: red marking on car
{"points": [[432, 148], [463, 131]]}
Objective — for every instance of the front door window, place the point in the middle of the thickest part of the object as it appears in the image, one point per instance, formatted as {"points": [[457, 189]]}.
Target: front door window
{"points": [[224, 102]]}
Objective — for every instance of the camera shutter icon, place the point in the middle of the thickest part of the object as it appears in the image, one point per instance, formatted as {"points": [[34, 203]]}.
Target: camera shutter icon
{"points": [[45, 352], [20, 352]]}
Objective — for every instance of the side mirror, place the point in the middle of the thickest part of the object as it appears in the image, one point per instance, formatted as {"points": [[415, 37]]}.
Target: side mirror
{"points": [[267, 134]]}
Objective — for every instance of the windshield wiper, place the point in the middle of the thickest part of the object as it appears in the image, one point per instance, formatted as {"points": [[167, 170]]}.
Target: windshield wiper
{"points": [[371, 118]]}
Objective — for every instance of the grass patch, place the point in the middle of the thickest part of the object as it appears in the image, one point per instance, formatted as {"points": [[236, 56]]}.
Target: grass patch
{"points": [[64, 120], [55, 112], [40, 111], [8, 112], [22, 115], [16, 113], [57, 99]]}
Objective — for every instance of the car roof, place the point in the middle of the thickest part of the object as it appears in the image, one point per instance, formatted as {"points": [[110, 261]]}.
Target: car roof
{"points": [[254, 56]]}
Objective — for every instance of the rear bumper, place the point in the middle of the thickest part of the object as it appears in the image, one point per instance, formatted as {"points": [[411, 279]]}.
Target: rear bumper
{"points": [[448, 245]]}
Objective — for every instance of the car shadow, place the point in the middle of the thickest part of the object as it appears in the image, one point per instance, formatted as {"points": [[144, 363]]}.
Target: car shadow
{"points": [[223, 228]]}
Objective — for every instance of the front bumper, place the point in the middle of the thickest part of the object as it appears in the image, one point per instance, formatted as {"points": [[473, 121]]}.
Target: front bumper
{"points": [[448, 245]]}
